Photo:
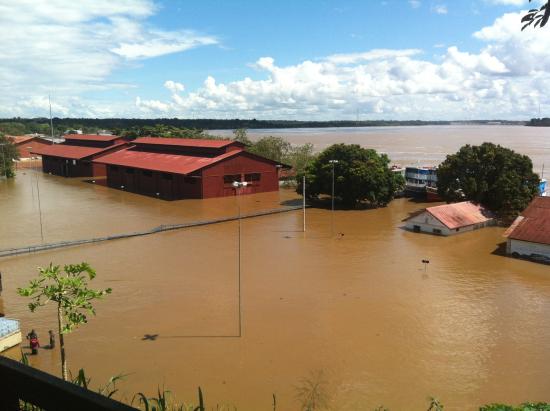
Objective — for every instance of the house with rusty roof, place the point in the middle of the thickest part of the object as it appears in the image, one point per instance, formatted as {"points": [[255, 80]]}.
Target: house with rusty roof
{"points": [[179, 168], [74, 157], [450, 219], [28, 143], [529, 234]]}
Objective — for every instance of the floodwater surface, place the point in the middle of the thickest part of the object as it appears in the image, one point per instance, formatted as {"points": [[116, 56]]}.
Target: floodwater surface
{"points": [[472, 327], [425, 145]]}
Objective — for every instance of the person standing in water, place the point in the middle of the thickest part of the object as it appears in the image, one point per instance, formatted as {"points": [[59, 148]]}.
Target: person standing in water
{"points": [[33, 342], [52, 339]]}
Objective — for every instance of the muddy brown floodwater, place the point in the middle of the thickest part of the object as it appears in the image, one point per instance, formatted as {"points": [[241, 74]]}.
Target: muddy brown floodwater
{"points": [[474, 328]]}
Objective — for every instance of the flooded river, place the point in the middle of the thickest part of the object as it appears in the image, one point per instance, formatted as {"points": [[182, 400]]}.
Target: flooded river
{"points": [[421, 145], [472, 328]]}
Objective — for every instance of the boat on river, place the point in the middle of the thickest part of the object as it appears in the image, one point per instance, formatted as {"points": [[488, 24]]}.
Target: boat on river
{"points": [[10, 333]]}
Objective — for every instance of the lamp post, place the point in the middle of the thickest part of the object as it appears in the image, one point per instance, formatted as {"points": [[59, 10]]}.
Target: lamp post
{"points": [[333, 162], [238, 185]]}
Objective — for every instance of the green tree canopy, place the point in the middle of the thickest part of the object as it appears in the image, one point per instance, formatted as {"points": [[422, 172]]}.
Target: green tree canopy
{"points": [[274, 148], [68, 289], [8, 153], [494, 176], [361, 175]]}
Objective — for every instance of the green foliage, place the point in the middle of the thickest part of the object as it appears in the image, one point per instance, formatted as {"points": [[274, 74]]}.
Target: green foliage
{"points": [[361, 175], [491, 175], [274, 148], [69, 289], [241, 135], [13, 128], [435, 405], [8, 153], [164, 401], [527, 406], [536, 17], [162, 130]]}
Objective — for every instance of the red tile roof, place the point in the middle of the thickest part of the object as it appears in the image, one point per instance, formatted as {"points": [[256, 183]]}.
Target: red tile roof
{"points": [[71, 152], [20, 139], [89, 137], [186, 142], [167, 163], [533, 225], [461, 214]]}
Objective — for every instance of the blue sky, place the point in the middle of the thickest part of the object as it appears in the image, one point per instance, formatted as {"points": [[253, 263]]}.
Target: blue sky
{"points": [[324, 60]]}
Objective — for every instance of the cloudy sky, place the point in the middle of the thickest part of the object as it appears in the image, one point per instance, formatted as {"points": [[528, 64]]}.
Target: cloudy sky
{"points": [[308, 59]]}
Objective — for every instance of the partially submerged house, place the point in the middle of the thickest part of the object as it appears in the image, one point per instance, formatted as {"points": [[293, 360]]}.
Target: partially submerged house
{"points": [[26, 144], [74, 157], [449, 219], [529, 234], [175, 168]]}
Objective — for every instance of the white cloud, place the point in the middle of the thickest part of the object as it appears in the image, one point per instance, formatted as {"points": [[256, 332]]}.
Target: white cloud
{"points": [[440, 9], [507, 78], [67, 48], [508, 2], [415, 3]]}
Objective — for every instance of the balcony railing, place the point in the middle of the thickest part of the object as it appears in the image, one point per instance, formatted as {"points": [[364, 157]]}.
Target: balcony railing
{"points": [[21, 383]]}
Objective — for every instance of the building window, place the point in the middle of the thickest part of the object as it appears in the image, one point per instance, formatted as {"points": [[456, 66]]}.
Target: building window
{"points": [[252, 177], [437, 231], [416, 228], [190, 180], [230, 178], [147, 173], [113, 168], [458, 229], [166, 176], [129, 171]]}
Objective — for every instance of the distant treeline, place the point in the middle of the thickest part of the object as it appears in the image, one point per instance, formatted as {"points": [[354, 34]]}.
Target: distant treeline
{"points": [[19, 126], [539, 122]]}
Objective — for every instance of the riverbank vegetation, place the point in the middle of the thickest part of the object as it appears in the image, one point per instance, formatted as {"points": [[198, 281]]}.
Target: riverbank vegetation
{"points": [[491, 175], [360, 176]]}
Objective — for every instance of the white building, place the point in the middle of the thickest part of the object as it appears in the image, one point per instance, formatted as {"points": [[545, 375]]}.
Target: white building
{"points": [[529, 234], [449, 219]]}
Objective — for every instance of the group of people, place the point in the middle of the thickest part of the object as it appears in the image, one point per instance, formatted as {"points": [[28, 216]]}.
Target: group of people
{"points": [[35, 344]]}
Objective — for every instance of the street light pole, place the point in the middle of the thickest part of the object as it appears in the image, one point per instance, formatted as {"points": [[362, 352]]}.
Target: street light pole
{"points": [[238, 186], [304, 199], [4, 160], [333, 162]]}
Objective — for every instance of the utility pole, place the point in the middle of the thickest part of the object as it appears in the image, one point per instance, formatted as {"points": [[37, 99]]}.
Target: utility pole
{"points": [[304, 199], [51, 120], [238, 185], [333, 162]]}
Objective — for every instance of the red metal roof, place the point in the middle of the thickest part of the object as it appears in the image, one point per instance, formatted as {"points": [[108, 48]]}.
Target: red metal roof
{"points": [[533, 225], [89, 137], [167, 163], [461, 214], [20, 139], [71, 152], [186, 142]]}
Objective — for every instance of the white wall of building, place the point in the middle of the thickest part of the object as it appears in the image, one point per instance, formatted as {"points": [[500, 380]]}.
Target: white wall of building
{"points": [[429, 223], [526, 248]]}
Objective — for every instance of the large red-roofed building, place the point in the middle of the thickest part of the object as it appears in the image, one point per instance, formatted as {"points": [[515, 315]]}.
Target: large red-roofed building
{"points": [[26, 144], [74, 157], [173, 168]]}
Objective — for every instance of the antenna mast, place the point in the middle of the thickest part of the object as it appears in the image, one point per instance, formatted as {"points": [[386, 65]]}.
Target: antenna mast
{"points": [[51, 121]]}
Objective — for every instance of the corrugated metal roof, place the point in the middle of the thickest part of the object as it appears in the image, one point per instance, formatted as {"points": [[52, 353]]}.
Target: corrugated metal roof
{"points": [[167, 163], [534, 223], [186, 142], [71, 152], [90, 137], [20, 139], [461, 214]]}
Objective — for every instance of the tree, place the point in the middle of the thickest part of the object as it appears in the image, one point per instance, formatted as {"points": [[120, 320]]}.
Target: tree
{"points": [[274, 148], [536, 17], [361, 175], [241, 135], [299, 157], [8, 153], [491, 175], [69, 290]]}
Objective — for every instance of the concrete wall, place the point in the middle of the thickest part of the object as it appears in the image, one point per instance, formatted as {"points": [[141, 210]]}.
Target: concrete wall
{"points": [[526, 248]]}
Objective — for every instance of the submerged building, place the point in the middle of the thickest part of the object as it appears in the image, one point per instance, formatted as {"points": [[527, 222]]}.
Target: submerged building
{"points": [[174, 168], [529, 234], [27, 144], [74, 157], [449, 219]]}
